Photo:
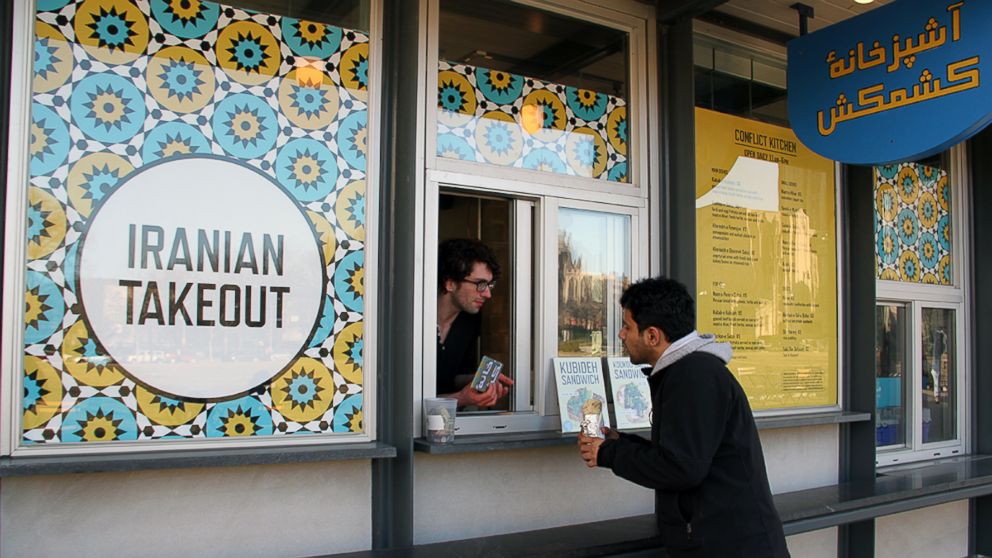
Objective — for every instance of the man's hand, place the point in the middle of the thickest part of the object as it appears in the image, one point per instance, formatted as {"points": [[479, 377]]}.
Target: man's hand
{"points": [[502, 384], [496, 390], [589, 447]]}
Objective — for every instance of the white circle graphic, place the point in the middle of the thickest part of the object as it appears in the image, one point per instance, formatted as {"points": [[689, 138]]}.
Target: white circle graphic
{"points": [[201, 277]]}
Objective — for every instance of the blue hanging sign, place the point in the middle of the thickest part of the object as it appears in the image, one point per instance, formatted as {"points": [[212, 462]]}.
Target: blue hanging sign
{"points": [[898, 83]]}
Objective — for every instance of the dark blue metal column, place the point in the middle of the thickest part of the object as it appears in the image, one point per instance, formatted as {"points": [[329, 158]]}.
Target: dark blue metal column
{"points": [[857, 439], [392, 479], [678, 153], [6, 37], [980, 157]]}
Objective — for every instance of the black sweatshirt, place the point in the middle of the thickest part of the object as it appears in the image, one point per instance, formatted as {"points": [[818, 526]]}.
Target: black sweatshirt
{"points": [[457, 355], [704, 462]]}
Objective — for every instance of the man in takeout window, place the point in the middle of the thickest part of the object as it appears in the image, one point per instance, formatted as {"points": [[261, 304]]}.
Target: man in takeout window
{"points": [[704, 459], [466, 276]]}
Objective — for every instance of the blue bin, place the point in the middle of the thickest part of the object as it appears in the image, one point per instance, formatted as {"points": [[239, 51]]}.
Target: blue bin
{"points": [[888, 392], [885, 435]]}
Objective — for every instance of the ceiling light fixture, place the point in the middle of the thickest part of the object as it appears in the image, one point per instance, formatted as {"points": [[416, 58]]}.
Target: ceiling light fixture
{"points": [[864, 1]]}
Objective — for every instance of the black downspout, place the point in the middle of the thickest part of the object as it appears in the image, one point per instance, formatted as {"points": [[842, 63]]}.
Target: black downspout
{"points": [[806, 13], [392, 479], [6, 42], [857, 439], [980, 158]]}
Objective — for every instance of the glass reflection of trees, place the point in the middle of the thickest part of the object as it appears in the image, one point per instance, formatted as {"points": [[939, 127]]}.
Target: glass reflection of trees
{"points": [[589, 313]]}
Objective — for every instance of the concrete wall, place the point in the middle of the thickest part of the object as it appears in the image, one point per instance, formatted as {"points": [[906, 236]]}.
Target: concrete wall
{"points": [[800, 458], [473, 495], [815, 544], [313, 509], [265, 511], [937, 531], [478, 494]]}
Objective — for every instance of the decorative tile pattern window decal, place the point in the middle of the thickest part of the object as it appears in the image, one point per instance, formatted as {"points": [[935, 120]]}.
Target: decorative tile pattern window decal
{"points": [[190, 163], [504, 119], [913, 224]]}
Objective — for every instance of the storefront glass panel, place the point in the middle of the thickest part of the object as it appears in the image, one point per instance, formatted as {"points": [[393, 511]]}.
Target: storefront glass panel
{"points": [[529, 89], [913, 224], [766, 259], [939, 347], [730, 79], [195, 221], [890, 375], [593, 271]]}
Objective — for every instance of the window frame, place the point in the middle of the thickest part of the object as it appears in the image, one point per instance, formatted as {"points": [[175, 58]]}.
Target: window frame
{"points": [[543, 331], [15, 256], [636, 257], [523, 344], [546, 191], [636, 26], [916, 296]]}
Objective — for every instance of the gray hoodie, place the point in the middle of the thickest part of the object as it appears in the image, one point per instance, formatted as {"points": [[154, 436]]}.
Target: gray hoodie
{"points": [[691, 343]]}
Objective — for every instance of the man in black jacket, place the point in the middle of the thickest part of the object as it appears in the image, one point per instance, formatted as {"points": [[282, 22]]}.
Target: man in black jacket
{"points": [[704, 459]]}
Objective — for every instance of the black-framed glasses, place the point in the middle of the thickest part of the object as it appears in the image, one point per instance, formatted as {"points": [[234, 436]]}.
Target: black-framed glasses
{"points": [[481, 284]]}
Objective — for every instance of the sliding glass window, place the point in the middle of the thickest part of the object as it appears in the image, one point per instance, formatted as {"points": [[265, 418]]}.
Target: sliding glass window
{"points": [[532, 148], [921, 270]]}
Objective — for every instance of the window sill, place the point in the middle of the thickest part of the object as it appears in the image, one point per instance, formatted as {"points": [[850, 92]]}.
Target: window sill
{"points": [[145, 461], [551, 438], [894, 490], [495, 442], [814, 419], [801, 511]]}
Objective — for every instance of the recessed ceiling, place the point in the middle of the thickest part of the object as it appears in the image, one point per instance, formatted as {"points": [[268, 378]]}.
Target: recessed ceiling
{"points": [[776, 14]]}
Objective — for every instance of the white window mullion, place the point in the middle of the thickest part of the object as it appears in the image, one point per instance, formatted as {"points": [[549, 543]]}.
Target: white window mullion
{"points": [[545, 397], [962, 350], [916, 370], [15, 225], [523, 365], [428, 379]]}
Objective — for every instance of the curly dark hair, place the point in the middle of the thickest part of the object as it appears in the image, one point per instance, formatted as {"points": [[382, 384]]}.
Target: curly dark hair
{"points": [[662, 303], [456, 256]]}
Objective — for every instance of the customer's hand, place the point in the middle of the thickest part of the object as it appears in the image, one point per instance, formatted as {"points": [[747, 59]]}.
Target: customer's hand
{"points": [[589, 448]]}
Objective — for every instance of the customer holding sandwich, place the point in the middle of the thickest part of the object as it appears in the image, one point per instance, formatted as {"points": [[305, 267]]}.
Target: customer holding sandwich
{"points": [[704, 459]]}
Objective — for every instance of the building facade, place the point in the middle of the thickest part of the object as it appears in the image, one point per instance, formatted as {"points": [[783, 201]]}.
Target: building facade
{"points": [[220, 286]]}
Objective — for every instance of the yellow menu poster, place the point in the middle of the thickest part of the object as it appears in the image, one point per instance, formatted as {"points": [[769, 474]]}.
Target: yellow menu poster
{"points": [[766, 257]]}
